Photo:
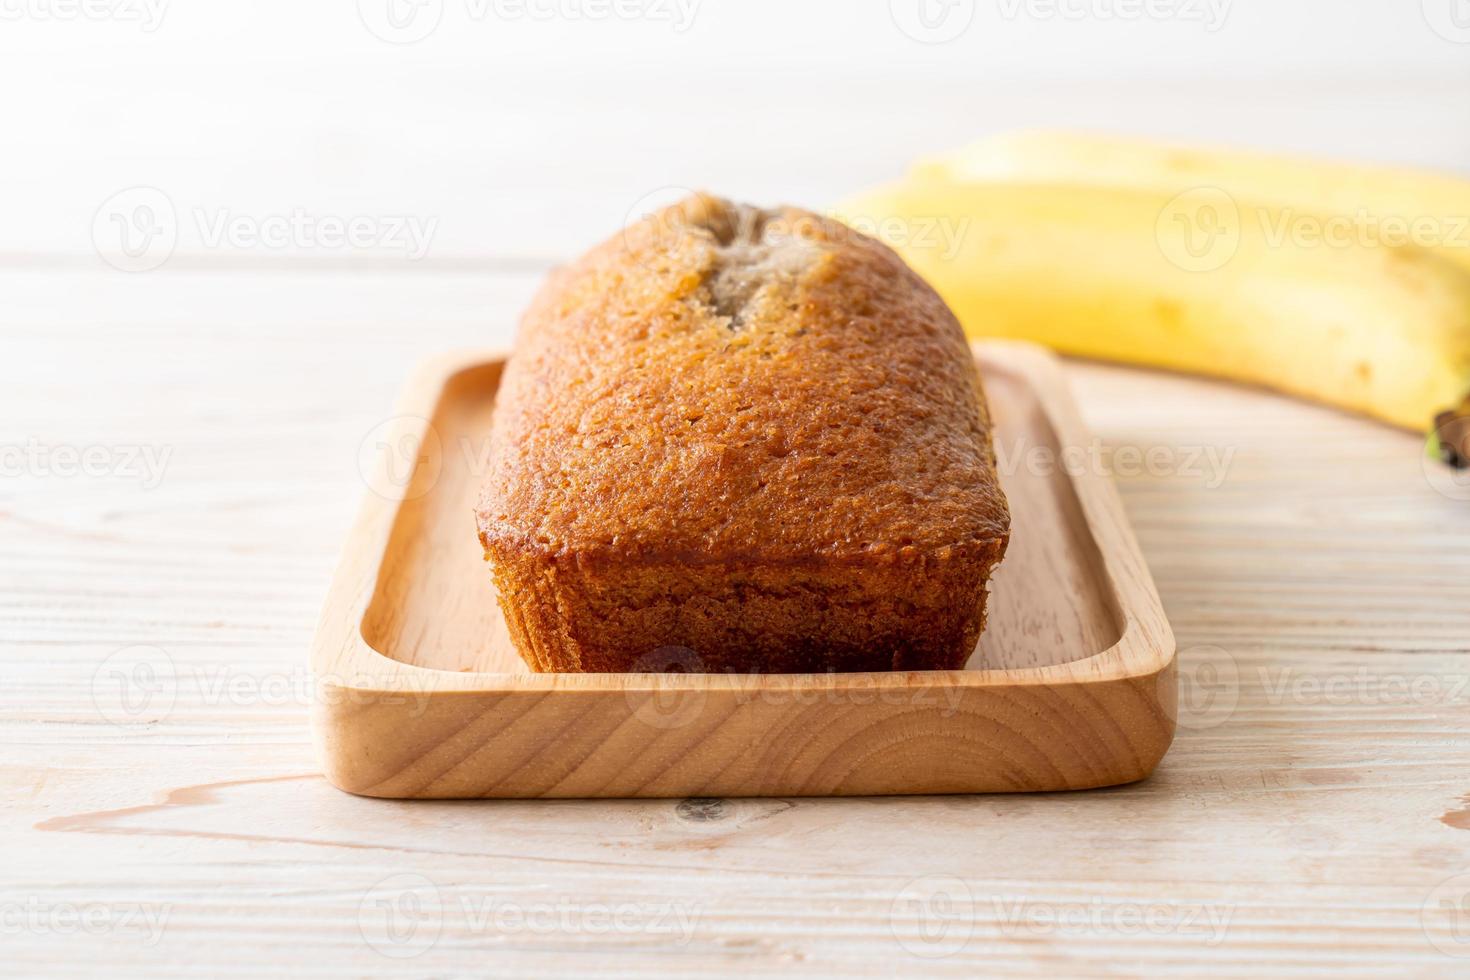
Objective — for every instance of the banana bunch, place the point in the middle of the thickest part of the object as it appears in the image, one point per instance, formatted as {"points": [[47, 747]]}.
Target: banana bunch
{"points": [[1347, 285]]}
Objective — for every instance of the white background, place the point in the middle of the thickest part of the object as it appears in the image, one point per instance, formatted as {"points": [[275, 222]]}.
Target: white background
{"points": [[530, 128]]}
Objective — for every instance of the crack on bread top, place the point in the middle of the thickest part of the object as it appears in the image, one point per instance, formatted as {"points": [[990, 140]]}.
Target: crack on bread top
{"points": [[753, 250]]}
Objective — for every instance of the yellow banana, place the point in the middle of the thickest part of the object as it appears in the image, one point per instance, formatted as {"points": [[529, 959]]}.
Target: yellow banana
{"points": [[1395, 205], [1196, 282]]}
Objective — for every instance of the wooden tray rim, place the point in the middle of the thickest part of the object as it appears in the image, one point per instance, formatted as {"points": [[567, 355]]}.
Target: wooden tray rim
{"points": [[1145, 648]]}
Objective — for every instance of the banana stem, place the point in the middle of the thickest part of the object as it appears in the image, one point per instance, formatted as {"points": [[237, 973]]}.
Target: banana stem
{"points": [[1450, 440]]}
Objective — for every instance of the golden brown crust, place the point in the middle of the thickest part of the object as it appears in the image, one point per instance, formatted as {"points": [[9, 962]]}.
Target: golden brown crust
{"points": [[756, 435]]}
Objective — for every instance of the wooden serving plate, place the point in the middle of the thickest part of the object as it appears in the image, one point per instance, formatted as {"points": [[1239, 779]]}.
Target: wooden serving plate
{"points": [[421, 695]]}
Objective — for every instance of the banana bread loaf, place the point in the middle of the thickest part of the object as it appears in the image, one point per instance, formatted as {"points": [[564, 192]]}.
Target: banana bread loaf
{"points": [[743, 440]]}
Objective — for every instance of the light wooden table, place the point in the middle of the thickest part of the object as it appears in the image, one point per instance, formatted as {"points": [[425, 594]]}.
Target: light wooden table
{"points": [[1312, 816], [1308, 818]]}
